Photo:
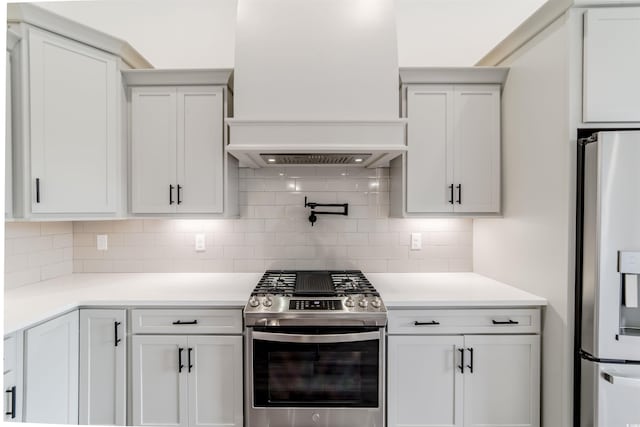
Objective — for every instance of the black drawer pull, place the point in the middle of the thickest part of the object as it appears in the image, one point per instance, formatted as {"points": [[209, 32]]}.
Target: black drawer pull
{"points": [[432, 323], [180, 322], [179, 199], [508, 322], [115, 330], [190, 366], [451, 194], [180, 365], [170, 194], [12, 412], [459, 187], [461, 365]]}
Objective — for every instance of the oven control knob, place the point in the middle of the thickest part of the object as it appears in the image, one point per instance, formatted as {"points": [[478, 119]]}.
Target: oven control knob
{"points": [[376, 302], [349, 302], [315, 418], [363, 303], [268, 302], [254, 302]]}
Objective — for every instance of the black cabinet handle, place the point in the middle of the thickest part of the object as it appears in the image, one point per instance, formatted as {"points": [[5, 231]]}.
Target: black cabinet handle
{"points": [[190, 366], [180, 322], [461, 365], [433, 322], [180, 365], [470, 366], [459, 187], [170, 194], [508, 322], [37, 190], [12, 412], [179, 199], [451, 194], [115, 330]]}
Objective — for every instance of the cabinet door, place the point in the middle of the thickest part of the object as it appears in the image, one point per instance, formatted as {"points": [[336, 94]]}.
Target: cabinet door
{"points": [[153, 150], [429, 136], [476, 148], [424, 381], [51, 371], [200, 149], [12, 377], [504, 387], [8, 149], [103, 355], [215, 381], [73, 117], [611, 65], [159, 383]]}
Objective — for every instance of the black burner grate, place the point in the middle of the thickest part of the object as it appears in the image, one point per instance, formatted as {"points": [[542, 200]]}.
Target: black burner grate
{"points": [[308, 283]]}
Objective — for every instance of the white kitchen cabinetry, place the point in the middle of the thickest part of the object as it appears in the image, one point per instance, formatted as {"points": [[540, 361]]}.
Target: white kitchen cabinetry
{"points": [[177, 149], [440, 376], [103, 355], [611, 65], [51, 371], [452, 165], [12, 377], [178, 160], [67, 136], [187, 380]]}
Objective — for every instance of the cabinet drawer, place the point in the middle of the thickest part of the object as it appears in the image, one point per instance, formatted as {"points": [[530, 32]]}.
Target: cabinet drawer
{"points": [[464, 321], [190, 321]]}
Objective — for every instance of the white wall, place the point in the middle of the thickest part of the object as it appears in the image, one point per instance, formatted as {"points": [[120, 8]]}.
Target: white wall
{"points": [[200, 33], [532, 246]]}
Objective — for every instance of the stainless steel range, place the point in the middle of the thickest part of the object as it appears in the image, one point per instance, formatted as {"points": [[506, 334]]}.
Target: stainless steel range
{"points": [[315, 350]]}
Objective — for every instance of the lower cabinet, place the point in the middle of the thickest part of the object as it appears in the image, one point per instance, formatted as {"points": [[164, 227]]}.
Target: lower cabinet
{"points": [[103, 373], [51, 371], [438, 380], [181, 380], [12, 377]]}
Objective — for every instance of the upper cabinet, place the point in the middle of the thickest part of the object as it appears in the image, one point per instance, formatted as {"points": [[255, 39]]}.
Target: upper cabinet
{"points": [[178, 163], [67, 138], [73, 126], [611, 65], [452, 165]]}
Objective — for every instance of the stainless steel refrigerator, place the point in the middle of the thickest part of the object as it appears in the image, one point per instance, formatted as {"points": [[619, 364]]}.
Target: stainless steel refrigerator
{"points": [[607, 341]]}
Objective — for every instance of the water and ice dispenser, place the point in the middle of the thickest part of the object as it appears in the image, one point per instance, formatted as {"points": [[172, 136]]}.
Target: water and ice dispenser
{"points": [[629, 268]]}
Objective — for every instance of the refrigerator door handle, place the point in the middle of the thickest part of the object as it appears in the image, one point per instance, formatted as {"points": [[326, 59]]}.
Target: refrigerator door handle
{"points": [[622, 381]]}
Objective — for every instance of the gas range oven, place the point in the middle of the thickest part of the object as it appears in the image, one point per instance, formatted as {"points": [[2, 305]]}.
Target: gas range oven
{"points": [[315, 353]]}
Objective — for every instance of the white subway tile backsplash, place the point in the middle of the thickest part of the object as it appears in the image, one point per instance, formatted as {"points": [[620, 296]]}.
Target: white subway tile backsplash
{"points": [[37, 251], [273, 232]]}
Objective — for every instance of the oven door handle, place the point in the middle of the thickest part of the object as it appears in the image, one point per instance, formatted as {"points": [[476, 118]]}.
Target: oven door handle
{"points": [[315, 339]]}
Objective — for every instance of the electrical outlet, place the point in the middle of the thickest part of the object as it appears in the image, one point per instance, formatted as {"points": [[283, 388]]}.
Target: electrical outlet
{"points": [[416, 241], [200, 243], [102, 242]]}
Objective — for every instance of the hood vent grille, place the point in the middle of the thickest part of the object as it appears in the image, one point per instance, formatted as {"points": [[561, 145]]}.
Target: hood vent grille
{"points": [[315, 158]]}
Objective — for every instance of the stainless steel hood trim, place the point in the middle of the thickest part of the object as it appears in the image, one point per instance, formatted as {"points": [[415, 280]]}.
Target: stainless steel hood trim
{"points": [[384, 139]]}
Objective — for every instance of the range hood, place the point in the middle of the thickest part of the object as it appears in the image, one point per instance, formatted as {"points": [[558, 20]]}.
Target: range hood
{"points": [[316, 82]]}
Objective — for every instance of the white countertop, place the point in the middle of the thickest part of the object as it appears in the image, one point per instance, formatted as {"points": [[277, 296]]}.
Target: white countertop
{"points": [[423, 290], [34, 303]]}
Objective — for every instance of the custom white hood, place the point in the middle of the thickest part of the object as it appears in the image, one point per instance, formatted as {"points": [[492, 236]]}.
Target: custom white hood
{"points": [[316, 82]]}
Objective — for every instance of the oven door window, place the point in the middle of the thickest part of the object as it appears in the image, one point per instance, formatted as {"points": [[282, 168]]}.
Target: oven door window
{"points": [[316, 375]]}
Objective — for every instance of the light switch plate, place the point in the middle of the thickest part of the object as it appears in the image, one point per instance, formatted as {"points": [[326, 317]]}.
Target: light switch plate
{"points": [[416, 241], [200, 243], [102, 241]]}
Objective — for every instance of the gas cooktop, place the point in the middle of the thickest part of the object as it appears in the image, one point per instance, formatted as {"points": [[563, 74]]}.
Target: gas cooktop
{"points": [[314, 297]]}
